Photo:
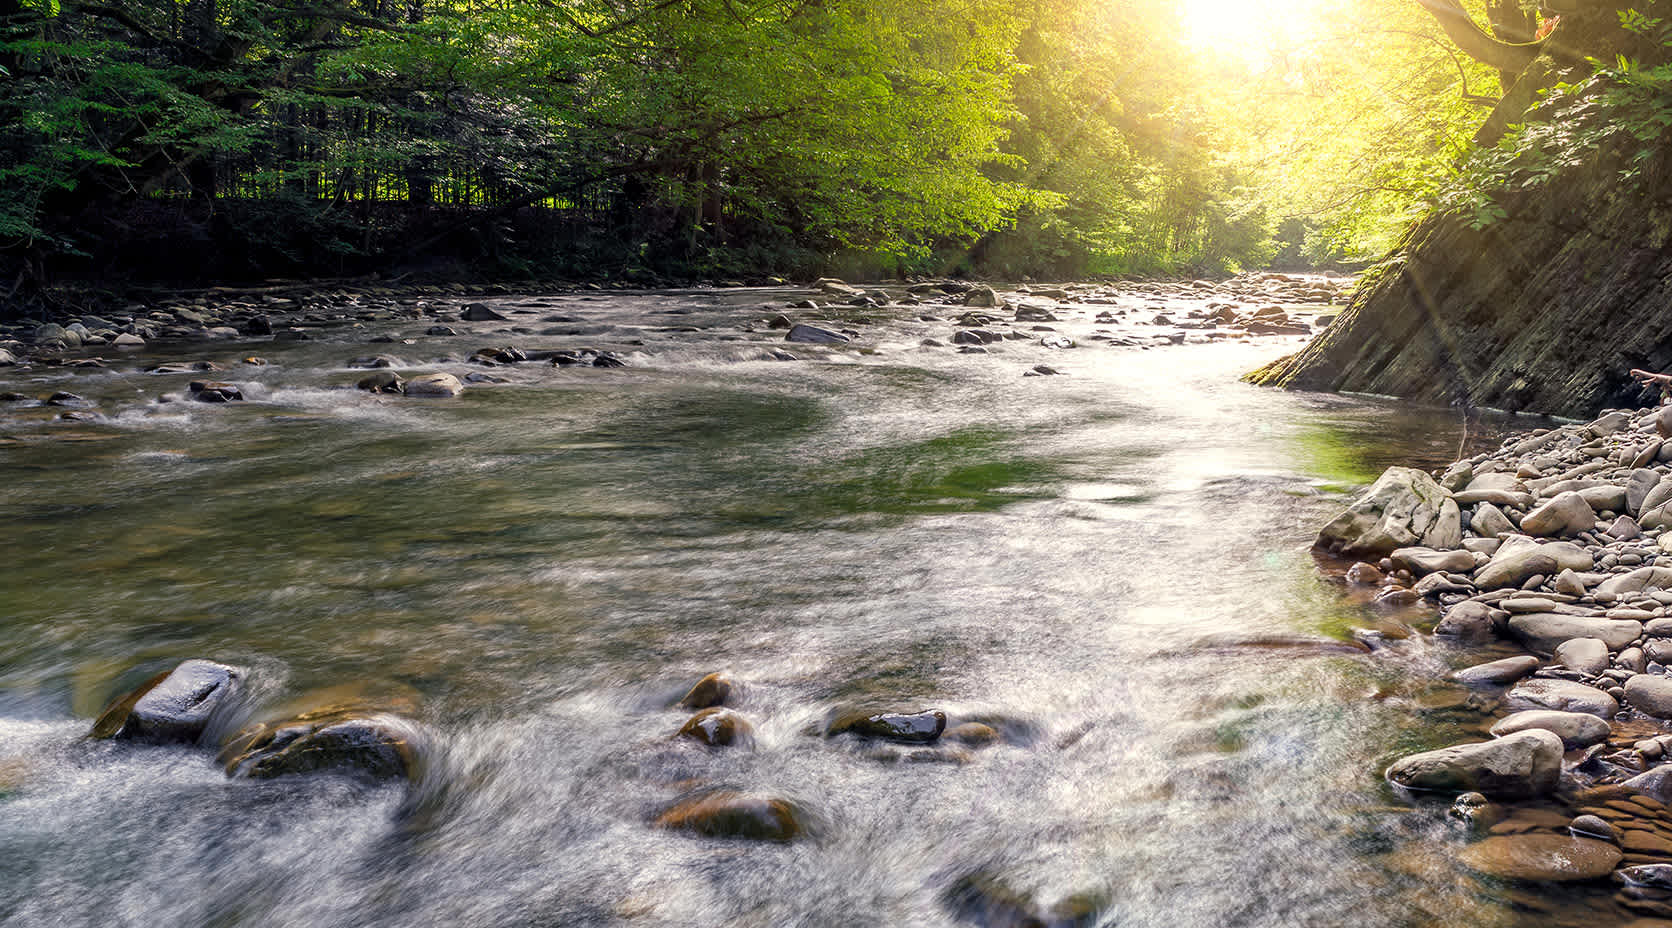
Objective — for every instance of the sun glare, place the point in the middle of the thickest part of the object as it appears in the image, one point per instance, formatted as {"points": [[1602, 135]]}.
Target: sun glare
{"points": [[1254, 31]]}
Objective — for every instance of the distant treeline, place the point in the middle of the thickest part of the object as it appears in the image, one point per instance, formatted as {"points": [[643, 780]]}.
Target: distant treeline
{"points": [[224, 139]]}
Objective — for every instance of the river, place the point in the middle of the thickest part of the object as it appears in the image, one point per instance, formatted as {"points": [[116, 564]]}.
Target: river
{"points": [[1111, 567]]}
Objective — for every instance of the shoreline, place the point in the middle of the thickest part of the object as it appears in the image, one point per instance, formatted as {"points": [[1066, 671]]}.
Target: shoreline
{"points": [[1558, 544]]}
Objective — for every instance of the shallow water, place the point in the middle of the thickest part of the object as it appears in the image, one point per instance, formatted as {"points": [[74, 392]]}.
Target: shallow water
{"points": [[1111, 566]]}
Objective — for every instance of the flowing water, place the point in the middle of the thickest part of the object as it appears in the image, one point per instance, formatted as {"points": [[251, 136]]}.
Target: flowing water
{"points": [[1111, 567]]}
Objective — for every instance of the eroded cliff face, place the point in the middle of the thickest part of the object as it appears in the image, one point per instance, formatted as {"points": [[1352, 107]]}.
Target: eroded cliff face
{"points": [[1546, 310]]}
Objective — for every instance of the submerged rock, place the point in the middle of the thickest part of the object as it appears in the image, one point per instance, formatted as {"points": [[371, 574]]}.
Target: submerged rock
{"points": [[1542, 857], [1497, 673], [736, 815], [332, 740], [919, 728], [982, 899], [174, 706], [1520, 765]]}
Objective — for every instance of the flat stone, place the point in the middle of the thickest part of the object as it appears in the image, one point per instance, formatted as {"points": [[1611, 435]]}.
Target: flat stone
{"points": [[1421, 561], [1541, 857], [812, 334], [1641, 580], [1576, 729], [433, 385], [1542, 632], [1520, 558], [1497, 673], [918, 728], [1562, 696]]}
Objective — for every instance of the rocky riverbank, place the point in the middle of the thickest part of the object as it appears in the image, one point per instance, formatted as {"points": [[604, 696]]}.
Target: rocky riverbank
{"points": [[1558, 544], [409, 335]]}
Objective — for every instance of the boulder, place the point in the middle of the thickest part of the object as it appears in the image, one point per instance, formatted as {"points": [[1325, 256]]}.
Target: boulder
{"points": [[1421, 561], [812, 334], [1517, 766], [337, 739], [982, 298], [719, 727], [481, 312], [1639, 485], [1497, 673], [1605, 498], [1562, 696], [1470, 621], [1520, 558], [176, 706], [1576, 729], [1650, 695], [433, 385], [736, 815], [919, 728], [1543, 632], [1589, 656], [1566, 514], [1396, 512], [1489, 521], [712, 690], [1656, 783], [1542, 857]]}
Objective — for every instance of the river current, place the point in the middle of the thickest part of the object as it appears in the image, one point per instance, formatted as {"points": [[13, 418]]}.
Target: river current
{"points": [[1111, 567]]}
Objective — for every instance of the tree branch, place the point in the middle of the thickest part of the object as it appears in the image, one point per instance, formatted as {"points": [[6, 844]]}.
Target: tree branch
{"points": [[1475, 42]]}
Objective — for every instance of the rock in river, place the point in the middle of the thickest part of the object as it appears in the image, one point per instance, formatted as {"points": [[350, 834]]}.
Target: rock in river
{"points": [[1396, 512], [736, 815], [334, 740], [1497, 673], [1542, 857], [719, 727], [1524, 764], [712, 690], [920, 728], [438, 384], [174, 706], [812, 334], [1589, 656]]}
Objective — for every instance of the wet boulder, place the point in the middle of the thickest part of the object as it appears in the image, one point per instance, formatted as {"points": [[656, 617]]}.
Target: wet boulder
{"points": [[983, 899], [918, 728], [712, 690], [215, 391], [1398, 511], [382, 382], [438, 385], [1497, 673], [719, 727], [1422, 561], [812, 334], [172, 707], [736, 815], [336, 739], [1516, 766], [481, 312], [1650, 694], [1542, 857]]}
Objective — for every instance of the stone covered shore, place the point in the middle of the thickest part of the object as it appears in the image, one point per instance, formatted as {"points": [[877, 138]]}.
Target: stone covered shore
{"points": [[1558, 544]]}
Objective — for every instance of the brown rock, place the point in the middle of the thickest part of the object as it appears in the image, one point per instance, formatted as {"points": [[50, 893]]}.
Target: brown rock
{"points": [[712, 690], [736, 815], [718, 727]]}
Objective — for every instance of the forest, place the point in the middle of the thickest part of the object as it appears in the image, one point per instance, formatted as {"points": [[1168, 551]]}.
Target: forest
{"points": [[205, 140]]}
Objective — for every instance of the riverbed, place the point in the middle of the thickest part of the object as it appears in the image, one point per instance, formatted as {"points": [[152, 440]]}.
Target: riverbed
{"points": [[1110, 567]]}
